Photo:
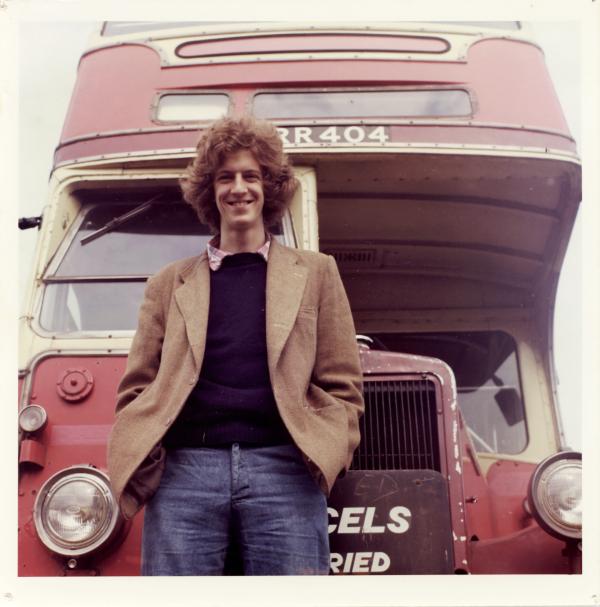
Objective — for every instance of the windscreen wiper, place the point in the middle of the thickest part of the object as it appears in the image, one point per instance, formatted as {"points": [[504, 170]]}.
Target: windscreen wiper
{"points": [[120, 220]]}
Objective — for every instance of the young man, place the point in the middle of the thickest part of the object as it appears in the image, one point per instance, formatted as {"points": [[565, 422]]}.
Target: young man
{"points": [[240, 403]]}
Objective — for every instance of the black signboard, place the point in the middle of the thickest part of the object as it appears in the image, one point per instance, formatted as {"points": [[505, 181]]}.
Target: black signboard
{"points": [[390, 522]]}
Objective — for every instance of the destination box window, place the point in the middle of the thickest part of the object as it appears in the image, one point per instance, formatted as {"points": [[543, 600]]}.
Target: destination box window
{"points": [[362, 104], [190, 107]]}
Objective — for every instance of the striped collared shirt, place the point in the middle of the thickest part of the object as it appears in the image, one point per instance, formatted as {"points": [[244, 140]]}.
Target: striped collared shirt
{"points": [[216, 255]]}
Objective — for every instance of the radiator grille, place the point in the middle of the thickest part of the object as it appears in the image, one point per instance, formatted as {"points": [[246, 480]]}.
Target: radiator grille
{"points": [[399, 428]]}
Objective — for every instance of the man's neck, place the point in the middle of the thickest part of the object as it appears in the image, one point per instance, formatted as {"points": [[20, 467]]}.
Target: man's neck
{"points": [[247, 241]]}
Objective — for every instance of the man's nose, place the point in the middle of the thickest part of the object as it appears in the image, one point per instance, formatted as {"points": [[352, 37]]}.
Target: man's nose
{"points": [[239, 184]]}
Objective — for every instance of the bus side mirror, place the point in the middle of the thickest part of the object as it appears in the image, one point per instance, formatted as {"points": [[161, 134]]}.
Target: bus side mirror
{"points": [[30, 222], [509, 403]]}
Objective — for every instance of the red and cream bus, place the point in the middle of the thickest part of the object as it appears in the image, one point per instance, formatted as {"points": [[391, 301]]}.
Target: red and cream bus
{"points": [[447, 202]]}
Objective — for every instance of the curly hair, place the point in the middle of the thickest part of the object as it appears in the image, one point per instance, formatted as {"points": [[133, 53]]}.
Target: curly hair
{"points": [[227, 136]]}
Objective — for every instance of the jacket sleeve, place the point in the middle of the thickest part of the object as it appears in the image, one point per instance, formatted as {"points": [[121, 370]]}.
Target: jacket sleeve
{"points": [[145, 353], [337, 366]]}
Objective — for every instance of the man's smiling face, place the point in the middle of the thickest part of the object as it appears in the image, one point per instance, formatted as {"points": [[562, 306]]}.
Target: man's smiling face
{"points": [[239, 192]]}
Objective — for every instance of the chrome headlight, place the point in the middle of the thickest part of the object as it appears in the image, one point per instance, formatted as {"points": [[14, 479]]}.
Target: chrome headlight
{"points": [[555, 495], [75, 512]]}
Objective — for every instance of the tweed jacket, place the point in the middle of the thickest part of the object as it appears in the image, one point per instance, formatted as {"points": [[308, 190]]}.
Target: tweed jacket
{"points": [[312, 358]]}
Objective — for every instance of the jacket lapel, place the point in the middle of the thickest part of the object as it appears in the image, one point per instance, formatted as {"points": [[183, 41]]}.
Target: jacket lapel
{"points": [[286, 280], [193, 298]]}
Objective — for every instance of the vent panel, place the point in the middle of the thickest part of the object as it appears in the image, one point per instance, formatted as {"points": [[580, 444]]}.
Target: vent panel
{"points": [[399, 430]]}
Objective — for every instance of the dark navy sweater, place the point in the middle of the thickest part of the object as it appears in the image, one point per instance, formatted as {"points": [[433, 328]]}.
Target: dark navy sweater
{"points": [[233, 400]]}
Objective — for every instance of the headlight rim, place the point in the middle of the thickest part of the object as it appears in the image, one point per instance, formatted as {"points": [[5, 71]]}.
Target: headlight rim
{"points": [[99, 540], [544, 519]]}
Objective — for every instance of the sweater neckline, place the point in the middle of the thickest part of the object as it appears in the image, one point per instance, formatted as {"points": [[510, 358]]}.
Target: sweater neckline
{"points": [[242, 259]]}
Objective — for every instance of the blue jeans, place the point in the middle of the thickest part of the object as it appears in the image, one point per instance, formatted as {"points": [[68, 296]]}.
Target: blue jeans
{"points": [[262, 502]]}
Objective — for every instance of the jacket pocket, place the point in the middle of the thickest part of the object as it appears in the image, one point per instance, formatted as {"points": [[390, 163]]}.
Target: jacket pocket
{"points": [[318, 399], [145, 480]]}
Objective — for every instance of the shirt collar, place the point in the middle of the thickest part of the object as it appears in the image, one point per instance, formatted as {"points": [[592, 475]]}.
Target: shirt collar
{"points": [[216, 255]]}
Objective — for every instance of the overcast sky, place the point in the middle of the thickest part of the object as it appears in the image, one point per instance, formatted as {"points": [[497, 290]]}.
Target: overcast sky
{"points": [[46, 80]]}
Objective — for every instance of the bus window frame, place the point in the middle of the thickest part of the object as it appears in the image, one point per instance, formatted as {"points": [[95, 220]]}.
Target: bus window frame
{"points": [[522, 390], [49, 277], [160, 94], [370, 120]]}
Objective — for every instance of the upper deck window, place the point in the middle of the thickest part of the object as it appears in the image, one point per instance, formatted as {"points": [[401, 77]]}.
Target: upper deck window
{"points": [[501, 25], [118, 28], [363, 104], [191, 107]]}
